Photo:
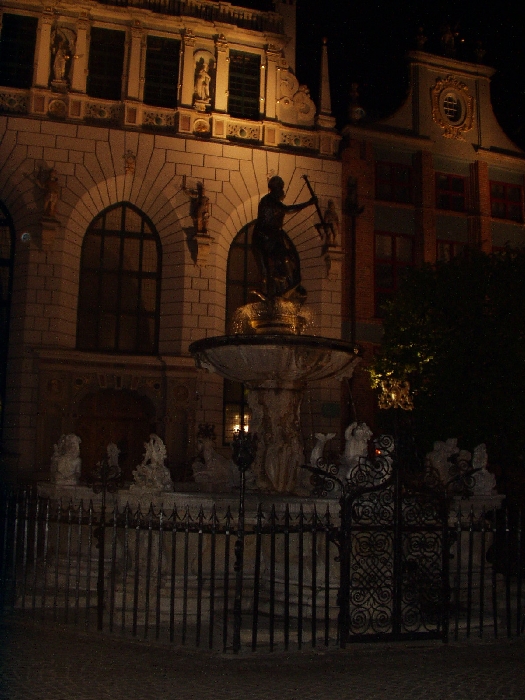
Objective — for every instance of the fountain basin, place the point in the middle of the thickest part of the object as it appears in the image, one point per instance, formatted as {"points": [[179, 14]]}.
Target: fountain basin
{"points": [[275, 361], [276, 369]]}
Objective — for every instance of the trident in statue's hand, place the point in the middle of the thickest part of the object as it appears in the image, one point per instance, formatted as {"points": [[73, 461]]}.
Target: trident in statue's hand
{"points": [[325, 230]]}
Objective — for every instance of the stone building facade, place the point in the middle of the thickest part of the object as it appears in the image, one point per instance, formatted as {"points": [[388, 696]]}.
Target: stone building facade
{"points": [[437, 175], [136, 140]]}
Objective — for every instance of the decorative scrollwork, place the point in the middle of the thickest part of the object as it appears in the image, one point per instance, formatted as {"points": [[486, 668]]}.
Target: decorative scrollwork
{"points": [[324, 481], [105, 477], [324, 478], [15, 103], [372, 473]]}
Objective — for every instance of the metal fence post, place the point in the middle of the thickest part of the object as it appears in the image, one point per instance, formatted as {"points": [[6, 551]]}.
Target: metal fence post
{"points": [[243, 454]]}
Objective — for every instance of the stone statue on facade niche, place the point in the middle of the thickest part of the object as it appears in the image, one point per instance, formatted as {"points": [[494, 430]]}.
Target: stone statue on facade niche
{"points": [[47, 181], [152, 475], [66, 462], [202, 83], [60, 61], [62, 49], [274, 252], [199, 207], [329, 229]]}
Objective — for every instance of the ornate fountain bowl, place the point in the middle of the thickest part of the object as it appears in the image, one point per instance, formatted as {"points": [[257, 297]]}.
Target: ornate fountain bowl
{"points": [[275, 361], [269, 316]]}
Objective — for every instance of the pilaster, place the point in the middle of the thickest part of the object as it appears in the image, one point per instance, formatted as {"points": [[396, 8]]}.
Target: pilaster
{"points": [[222, 74], [425, 214], [188, 69], [135, 63], [479, 231], [43, 51], [272, 58], [80, 59]]}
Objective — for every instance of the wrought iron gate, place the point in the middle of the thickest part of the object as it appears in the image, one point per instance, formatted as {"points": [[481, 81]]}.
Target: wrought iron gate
{"points": [[393, 550]]}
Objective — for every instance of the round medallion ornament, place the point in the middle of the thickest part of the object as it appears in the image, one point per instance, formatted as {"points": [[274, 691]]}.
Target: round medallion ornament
{"points": [[201, 126], [57, 108], [452, 107]]}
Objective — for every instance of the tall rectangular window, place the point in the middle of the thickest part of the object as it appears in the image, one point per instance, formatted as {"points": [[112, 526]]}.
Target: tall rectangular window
{"points": [[106, 63], [450, 192], [17, 50], [162, 72], [244, 85], [394, 253], [394, 182], [505, 201]]}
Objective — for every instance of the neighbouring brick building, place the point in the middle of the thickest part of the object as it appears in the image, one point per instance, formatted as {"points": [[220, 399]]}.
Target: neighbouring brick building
{"points": [[117, 120], [437, 175]]}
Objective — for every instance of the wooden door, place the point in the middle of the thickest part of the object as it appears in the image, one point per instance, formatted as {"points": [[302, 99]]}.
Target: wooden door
{"points": [[122, 417]]}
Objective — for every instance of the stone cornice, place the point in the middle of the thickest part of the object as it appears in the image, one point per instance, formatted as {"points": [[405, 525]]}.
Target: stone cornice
{"points": [[68, 359], [451, 65]]}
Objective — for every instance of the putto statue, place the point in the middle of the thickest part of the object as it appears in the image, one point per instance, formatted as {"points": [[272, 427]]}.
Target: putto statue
{"points": [[484, 481], [152, 475], [274, 252], [440, 457], [357, 436], [112, 459], [66, 462]]}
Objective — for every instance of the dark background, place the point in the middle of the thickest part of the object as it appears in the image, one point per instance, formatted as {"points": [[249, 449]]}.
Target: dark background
{"points": [[368, 42]]}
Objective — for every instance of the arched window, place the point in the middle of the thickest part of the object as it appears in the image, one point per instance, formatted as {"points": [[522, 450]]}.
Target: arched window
{"points": [[242, 275], [242, 278], [7, 251], [119, 288]]}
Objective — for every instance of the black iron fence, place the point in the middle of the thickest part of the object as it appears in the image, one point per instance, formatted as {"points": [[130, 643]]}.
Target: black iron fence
{"points": [[304, 578]]}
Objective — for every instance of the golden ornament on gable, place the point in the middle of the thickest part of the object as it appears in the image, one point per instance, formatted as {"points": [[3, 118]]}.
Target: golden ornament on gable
{"points": [[452, 107]]}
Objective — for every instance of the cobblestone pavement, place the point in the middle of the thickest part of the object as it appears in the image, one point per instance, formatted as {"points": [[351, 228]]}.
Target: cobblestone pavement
{"points": [[61, 663]]}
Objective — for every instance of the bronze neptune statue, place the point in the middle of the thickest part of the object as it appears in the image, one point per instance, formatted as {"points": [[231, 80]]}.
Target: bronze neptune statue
{"points": [[274, 252]]}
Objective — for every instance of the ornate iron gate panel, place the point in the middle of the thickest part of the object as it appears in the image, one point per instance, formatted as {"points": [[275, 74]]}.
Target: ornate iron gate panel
{"points": [[372, 559], [393, 544], [422, 543]]}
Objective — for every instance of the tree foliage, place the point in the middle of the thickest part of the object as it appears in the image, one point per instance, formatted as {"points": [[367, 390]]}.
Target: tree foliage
{"points": [[456, 332]]}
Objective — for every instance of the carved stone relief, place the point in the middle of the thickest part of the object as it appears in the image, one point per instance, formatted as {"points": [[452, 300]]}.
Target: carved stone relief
{"points": [[294, 105]]}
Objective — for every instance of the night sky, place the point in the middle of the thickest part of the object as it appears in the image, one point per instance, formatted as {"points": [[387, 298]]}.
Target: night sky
{"points": [[368, 41]]}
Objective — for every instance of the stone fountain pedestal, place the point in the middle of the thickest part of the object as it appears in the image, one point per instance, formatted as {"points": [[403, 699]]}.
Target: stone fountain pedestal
{"points": [[276, 367]]}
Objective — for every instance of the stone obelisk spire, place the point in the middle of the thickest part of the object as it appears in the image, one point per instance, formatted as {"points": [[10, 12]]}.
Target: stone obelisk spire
{"points": [[324, 118]]}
